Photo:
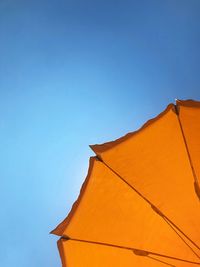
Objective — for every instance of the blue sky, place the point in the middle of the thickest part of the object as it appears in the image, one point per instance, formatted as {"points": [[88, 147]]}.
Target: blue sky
{"points": [[74, 73]]}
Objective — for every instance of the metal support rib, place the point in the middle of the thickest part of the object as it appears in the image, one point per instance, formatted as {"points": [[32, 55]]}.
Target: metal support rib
{"points": [[196, 183], [136, 251]]}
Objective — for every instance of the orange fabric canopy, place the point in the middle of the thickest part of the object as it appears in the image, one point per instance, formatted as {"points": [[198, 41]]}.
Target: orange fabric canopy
{"points": [[139, 205]]}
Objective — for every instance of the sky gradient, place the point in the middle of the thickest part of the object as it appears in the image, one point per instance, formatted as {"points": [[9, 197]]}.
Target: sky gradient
{"points": [[74, 73]]}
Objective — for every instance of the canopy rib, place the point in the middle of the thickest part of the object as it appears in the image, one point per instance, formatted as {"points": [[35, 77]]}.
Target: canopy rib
{"points": [[150, 257], [154, 208], [196, 183], [142, 252], [182, 238]]}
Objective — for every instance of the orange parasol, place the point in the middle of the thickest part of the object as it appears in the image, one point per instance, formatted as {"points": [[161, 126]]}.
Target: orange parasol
{"points": [[139, 205]]}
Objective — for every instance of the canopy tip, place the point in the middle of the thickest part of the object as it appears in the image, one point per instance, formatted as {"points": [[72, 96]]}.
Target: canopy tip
{"points": [[51, 232]]}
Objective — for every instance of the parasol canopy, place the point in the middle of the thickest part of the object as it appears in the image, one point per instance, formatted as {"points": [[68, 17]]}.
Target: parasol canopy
{"points": [[140, 202]]}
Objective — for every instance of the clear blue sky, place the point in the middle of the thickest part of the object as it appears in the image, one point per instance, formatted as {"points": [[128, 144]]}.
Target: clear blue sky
{"points": [[74, 73]]}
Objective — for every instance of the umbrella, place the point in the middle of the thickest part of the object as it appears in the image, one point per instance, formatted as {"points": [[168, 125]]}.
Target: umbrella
{"points": [[139, 205]]}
